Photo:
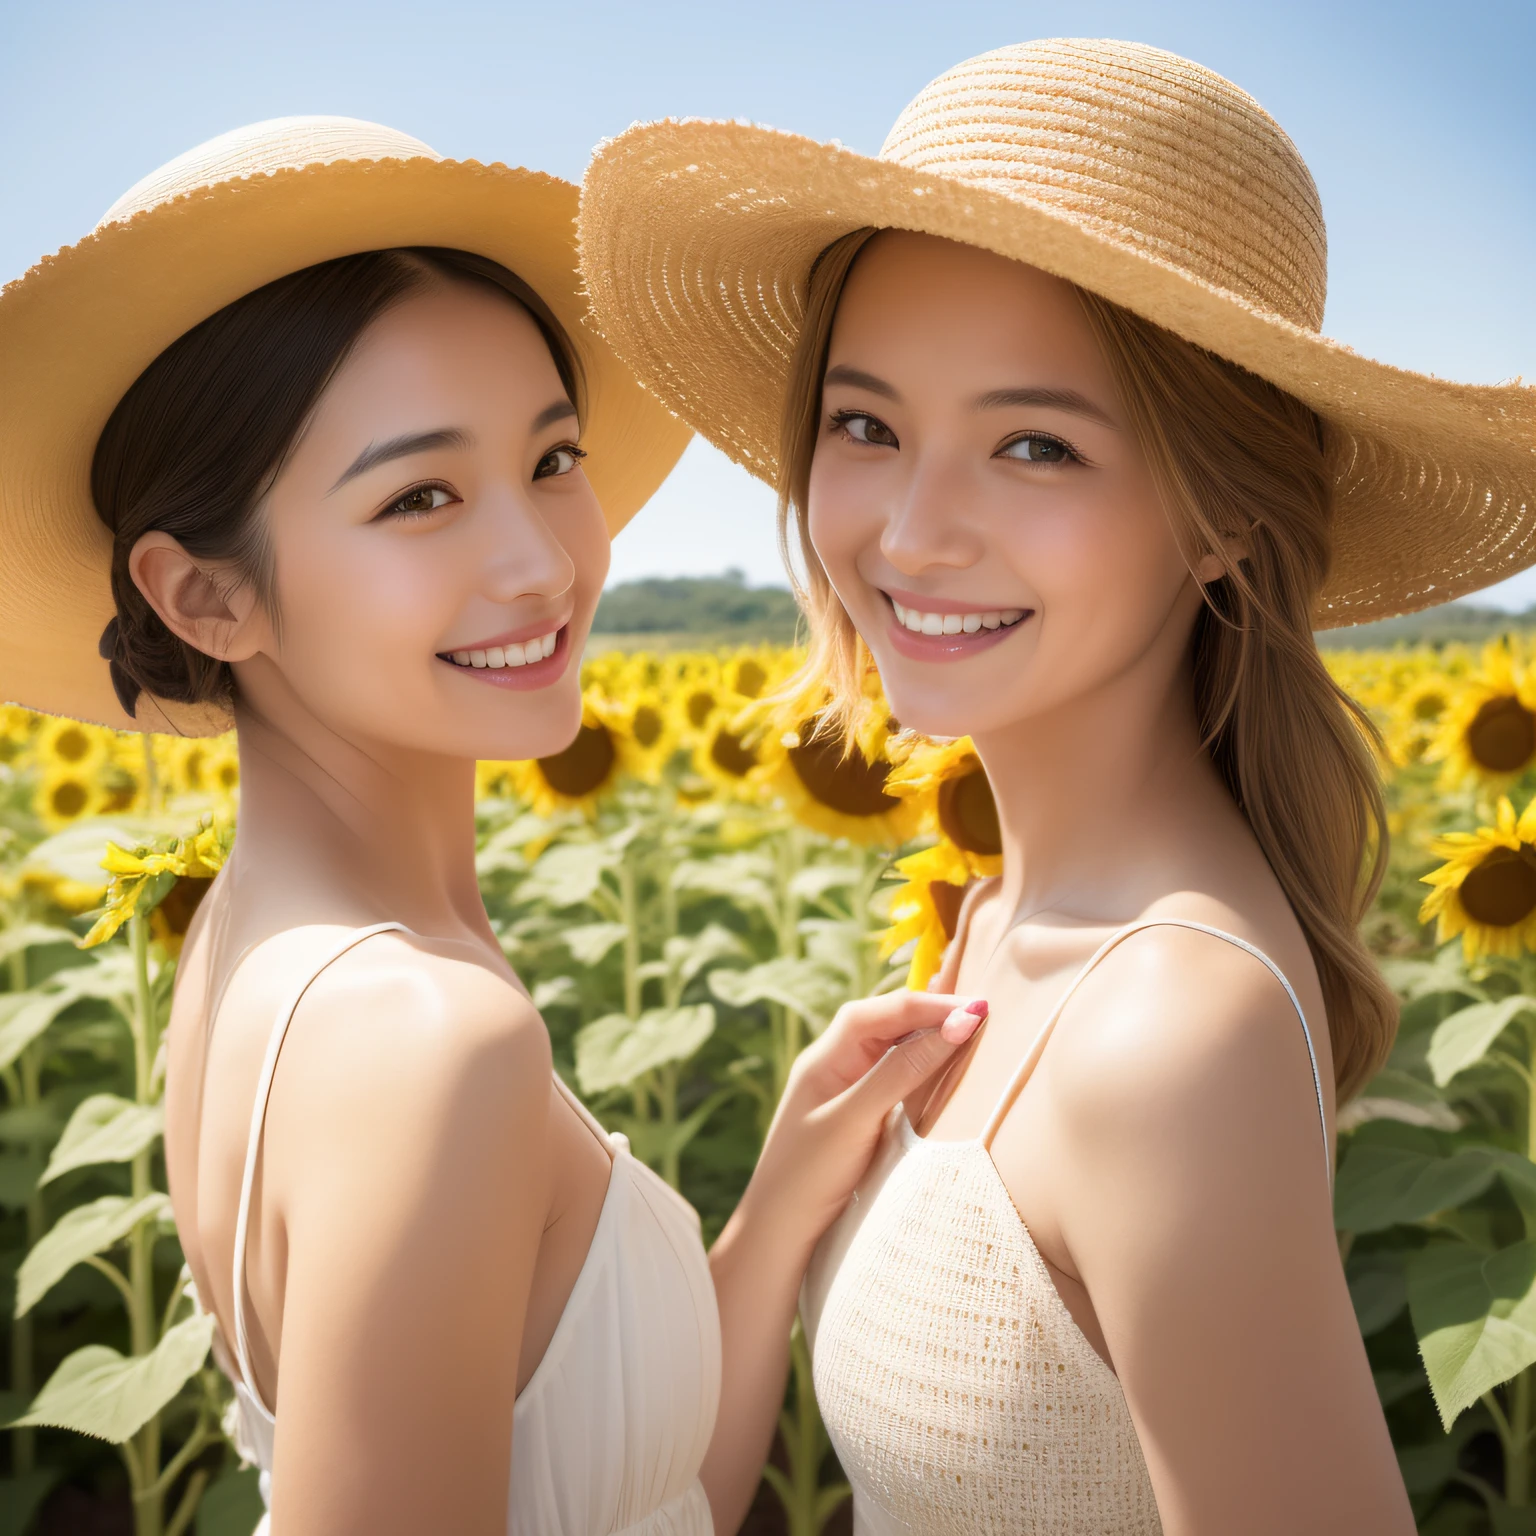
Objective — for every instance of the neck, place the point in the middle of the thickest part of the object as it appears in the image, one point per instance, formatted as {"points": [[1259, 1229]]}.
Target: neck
{"points": [[338, 830], [1097, 799]]}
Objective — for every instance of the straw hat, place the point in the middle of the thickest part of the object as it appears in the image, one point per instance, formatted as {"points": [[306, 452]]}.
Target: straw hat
{"points": [[208, 227], [1133, 173]]}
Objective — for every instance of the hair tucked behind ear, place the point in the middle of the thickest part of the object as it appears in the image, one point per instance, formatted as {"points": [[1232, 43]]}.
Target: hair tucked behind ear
{"points": [[198, 440], [1234, 459]]}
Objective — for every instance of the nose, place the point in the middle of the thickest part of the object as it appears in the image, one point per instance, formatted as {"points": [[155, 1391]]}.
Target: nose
{"points": [[929, 525], [525, 557]]}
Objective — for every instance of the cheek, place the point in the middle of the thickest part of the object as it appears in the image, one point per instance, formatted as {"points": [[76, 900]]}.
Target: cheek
{"points": [[843, 515]]}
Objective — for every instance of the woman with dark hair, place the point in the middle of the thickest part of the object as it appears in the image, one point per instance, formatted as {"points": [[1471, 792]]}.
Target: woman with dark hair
{"points": [[308, 436], [1042, 391]]}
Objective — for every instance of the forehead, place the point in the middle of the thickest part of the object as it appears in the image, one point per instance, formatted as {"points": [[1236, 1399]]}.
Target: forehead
{"points": [[449, 345], [922, 299]]}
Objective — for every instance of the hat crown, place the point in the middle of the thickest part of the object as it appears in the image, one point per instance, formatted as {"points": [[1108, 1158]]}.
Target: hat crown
{"points": [[262, 149], [1142, 147]]}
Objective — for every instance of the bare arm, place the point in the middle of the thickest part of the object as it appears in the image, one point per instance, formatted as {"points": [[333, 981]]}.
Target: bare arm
{"points": [[413, 1187], [820, 1144], [1193, 1203]]}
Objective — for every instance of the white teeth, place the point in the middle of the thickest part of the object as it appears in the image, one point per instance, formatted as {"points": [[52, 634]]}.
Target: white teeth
{"points": [[494, 656], [991, 620], [1012, 615], [933, 623], [515, 655], [477, 658], [548, 646], [971, 623], [461, 657], [953, 623]]}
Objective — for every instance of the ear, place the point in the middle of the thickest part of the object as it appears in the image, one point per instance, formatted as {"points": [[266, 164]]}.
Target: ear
{"points": [[199, 601], [1212, 567]]}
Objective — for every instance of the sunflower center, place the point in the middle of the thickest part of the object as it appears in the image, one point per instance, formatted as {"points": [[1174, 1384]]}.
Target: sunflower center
{"points": [[750, 677], [729, 754], [968, 813], [1501, 890], [852, 784], [648, 725], [1429, 706], [1502, 736], [69, 798], [71, 745], [700, 705], [947, 900], [583, 766]]}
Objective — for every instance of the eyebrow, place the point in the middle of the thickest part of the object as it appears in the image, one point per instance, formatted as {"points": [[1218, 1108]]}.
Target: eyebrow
{"points": [[843, 374], [399, 448], [1059, 399]]}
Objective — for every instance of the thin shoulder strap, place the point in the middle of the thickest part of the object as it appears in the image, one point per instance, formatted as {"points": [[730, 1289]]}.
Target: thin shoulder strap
{"points": [[1026, 1066], [253, 1143]]}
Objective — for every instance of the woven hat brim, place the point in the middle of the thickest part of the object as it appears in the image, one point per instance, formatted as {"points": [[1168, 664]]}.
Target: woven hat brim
{"points": [[79, 328], [697, 238]]}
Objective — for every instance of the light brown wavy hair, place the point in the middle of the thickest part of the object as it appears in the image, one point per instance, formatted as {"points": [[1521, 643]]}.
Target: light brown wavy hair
{"points": [[1233, 458]]}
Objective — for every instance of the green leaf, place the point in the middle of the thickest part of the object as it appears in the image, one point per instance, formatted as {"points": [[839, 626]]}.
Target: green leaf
{"points": [[1382, 1185], [556, 990], [1445, 973], [1394, 1094], [688, 954], [815, 880], [1463, 1039], [25, 1015], [804, 986], [104, 1129], [652, 1140], [567, 874], [1475, 1315], [29, 936], [232, 1506], [77, 1235], [1428, 1467], [1394, 1386], [97, 1391], [591, 942], [1378, 1287], [745, 879], [616, 1050]]}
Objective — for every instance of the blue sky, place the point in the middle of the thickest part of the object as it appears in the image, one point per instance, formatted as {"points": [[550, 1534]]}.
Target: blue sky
{"points": [[1419, 124]]}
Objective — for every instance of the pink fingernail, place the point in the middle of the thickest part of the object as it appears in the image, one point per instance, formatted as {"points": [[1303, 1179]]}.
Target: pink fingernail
{"points": [[978, 1006], [960, 1026]]}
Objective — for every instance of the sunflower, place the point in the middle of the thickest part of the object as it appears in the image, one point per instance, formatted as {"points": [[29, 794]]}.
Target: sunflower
{"points": [[652, 731], [926, 909], [699, 695], [730, 753], [947, 780], [70, 745], [221, 773], [1486, 889], [584, 772], [1489, 732], [838, 788], [66, 795], [1416, 714], [145, 877]]}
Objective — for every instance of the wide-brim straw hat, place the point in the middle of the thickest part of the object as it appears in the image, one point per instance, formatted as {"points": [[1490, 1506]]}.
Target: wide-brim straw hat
{"points": [[1131, 172], [208, 227]]}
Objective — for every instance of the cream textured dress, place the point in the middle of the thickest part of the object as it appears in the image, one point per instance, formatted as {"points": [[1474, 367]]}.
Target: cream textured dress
{"points": [[611, 1429], [960, 1394]]}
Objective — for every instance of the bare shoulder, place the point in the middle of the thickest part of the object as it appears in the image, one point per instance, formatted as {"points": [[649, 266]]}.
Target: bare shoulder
{"points": [[1182, 1046], [422, 1024]]}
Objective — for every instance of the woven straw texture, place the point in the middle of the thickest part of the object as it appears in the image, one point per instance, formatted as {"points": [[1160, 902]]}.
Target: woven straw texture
{"points": [[208, 227], [960, 1396], [1130, 171]]}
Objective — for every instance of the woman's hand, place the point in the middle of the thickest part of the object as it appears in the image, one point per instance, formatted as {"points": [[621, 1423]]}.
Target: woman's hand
{"points": [[841, 1088], [872, 1055]]}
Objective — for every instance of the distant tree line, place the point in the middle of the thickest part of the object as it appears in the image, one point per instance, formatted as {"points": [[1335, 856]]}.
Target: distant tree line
{"points": [[1471, 622], [723, 608]]}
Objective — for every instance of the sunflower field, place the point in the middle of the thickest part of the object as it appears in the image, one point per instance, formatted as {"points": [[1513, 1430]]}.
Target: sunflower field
{"points": [[691, 890]]}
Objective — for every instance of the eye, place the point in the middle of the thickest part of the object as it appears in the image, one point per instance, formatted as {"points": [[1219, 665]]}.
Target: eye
{"points": [[559, 461], [860, 427], [1037, 448], [419, 501]]}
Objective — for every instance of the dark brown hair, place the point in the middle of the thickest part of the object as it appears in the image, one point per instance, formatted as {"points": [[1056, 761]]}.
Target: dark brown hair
{"points": [[198, 440], [1233, 457]]}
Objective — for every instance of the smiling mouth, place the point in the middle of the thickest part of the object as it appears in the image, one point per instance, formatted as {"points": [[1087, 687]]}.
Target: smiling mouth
{"points": [[923, 622], [505, 657]]}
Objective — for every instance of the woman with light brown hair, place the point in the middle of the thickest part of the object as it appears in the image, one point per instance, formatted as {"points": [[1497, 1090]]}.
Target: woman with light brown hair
{"points": [[1065, 457]]}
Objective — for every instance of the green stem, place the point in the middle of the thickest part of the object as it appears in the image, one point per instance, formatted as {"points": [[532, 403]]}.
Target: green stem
{"points": [[29, 1072], [114, 1274], [1517, 1454], [151, 774], [629, 907], [200, 1436], [185, 1511], [666, 1098]]}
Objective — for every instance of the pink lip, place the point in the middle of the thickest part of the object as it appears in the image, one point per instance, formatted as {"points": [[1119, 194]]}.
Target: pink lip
{"points": [[509, 636], [525, 679], [946, 648]]}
